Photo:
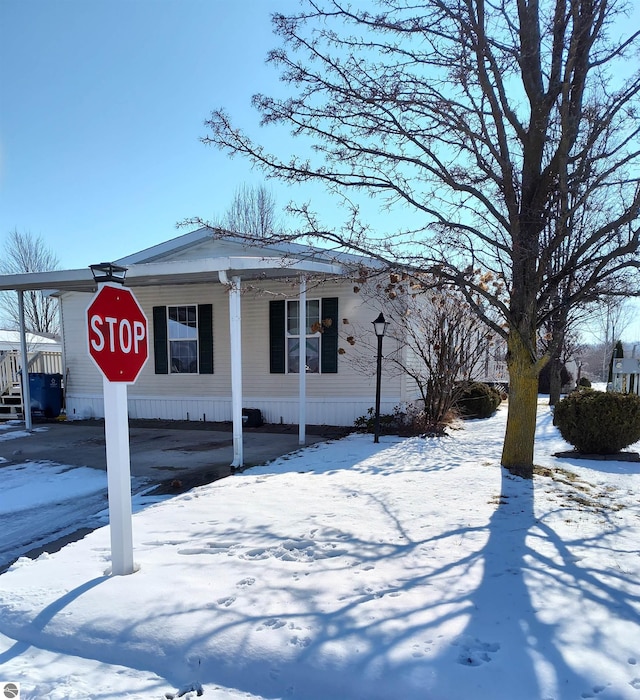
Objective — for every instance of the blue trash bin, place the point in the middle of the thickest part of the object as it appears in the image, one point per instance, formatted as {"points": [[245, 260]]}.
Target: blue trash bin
{"points": [[46, 394]]}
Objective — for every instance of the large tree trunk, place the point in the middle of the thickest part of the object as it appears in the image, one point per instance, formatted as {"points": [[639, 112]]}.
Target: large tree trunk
{"points": [[517, 451]]}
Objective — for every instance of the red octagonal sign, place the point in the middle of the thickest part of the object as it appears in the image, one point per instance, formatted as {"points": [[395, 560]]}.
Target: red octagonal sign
{"points": [[118, 335]]}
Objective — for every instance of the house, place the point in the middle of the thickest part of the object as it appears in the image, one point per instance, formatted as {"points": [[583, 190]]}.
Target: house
{"points": [[219, 308], [10, 341]]}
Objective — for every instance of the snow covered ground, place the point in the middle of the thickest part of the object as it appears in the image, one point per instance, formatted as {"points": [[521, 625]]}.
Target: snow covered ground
{"points": [[412, 569], [42, 502]]}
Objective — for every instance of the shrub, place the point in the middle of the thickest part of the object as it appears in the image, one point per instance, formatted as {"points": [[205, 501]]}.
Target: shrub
{"points": [[584, 382], [407, 421], [595, 422], [389, 423], [477, 400]]}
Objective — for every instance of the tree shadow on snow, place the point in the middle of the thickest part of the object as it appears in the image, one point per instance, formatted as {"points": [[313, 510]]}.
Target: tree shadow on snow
{"points": [[384, 638], [428, 611], [541, 601]]}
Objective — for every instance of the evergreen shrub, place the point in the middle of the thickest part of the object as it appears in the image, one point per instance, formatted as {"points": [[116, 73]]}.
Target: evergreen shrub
{"points": [[585, 382], [595, 422], [390, 423], [477, 400]]}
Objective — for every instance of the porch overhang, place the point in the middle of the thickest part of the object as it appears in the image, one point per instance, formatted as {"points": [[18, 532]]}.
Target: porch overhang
{"points": [[180, 272], [229, 270]]}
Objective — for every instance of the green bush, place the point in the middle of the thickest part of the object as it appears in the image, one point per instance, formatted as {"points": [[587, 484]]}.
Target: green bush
{"points": [[477, 400], [584, 382], [595, 422]]}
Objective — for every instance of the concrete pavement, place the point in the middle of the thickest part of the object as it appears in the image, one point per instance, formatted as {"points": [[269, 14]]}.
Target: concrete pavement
{"points": [[175, 455]]}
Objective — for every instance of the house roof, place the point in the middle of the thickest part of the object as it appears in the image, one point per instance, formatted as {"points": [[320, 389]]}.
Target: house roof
{"points": [[244, 246], [190, 259], [9, 337]]}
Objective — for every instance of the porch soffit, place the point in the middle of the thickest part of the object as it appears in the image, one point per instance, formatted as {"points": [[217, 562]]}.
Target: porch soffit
{"points": [[172, 273]]}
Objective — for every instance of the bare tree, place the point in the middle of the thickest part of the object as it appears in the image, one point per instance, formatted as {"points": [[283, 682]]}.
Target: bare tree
{"points": [[24, 252], [252, 212], [445, 344], [439, 343], [489, 121], [600, 326]]}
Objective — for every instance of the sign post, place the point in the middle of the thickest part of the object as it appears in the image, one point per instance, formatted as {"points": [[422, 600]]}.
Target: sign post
{"points": [[119, 345]]}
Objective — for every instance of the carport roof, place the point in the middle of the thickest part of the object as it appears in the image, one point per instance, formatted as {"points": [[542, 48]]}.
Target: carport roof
{"points": [[173, 273]]}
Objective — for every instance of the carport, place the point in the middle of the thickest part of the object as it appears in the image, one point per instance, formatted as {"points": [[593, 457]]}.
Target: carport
{"points": [[229, 271]]}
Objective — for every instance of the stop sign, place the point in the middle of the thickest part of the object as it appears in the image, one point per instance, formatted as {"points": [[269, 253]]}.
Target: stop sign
{"points": [[118, 335]]}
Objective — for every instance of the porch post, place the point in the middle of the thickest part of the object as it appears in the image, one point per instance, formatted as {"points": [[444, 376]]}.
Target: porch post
{"points": [[26, 389], [235, 327], [302, 363]]}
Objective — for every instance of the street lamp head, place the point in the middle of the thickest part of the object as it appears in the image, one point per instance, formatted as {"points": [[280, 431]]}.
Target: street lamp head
{"points": [[380, 325], [108, 272]]}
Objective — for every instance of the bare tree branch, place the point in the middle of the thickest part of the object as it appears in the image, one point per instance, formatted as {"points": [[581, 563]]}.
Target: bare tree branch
{"points": [[24, 252], [508, 129]]}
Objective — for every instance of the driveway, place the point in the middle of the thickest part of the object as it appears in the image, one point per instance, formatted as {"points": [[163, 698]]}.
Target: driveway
{"points": [[167, 457], [181, 453]]}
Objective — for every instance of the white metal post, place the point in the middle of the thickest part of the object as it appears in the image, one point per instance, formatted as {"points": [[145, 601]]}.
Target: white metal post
{"points": [[26, 388], [302, 363], [116, 429], [235, 328]]}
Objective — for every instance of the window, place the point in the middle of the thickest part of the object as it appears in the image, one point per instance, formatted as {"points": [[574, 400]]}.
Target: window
{"points": [[320, 337], [311, 336], [183, 339]]}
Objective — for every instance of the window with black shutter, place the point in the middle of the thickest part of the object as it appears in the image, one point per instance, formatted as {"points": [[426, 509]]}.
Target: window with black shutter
{"points": [[319, 339], [183, 339]]}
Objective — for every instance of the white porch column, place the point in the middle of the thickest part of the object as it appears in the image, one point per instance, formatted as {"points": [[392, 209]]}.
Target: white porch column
{"points": [[26, 389], [235, 327], [302, 364]]}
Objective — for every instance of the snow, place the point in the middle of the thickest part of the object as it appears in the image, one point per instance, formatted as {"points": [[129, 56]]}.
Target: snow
{"points": [[411, 569]]}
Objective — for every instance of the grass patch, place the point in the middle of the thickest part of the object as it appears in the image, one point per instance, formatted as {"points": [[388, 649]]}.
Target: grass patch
{"points": [[579, 493]]}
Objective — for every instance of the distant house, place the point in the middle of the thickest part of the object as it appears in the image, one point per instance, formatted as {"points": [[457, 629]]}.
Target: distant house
{"points": [[210, 301], [10, 340]]}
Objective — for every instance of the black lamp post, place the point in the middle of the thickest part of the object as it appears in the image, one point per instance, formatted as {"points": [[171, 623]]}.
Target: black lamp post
{"points": [[379, 326], [108, 272]]}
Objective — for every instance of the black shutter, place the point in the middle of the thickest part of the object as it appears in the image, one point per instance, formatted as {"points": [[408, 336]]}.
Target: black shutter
{"points": [[160, 351], [329, 341], [277, 323], [205, 338]]}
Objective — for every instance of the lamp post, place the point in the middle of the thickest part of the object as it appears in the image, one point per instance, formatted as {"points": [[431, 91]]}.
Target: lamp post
{"points": [[379, 326]]}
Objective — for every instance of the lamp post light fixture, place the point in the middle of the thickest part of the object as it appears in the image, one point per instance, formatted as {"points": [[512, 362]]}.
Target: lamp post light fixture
{"points": [[108, 272], [379, 326]]}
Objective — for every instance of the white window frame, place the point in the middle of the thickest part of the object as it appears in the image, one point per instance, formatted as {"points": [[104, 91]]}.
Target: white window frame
{"points": [[172, 339], [290, 338]]}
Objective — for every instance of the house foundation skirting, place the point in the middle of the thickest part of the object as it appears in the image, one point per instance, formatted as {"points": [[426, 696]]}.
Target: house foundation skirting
{"points": [[319, 411]]}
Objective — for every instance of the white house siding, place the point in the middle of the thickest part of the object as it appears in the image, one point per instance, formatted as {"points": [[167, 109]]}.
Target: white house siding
{"points": [[332, 399]]}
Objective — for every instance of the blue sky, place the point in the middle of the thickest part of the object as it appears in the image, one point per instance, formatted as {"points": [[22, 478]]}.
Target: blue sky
{"points": [[102, 103]]}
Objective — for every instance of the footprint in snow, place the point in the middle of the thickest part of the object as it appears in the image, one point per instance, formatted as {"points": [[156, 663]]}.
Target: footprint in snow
{"points": [[474, 652], [226, 602], [273, 624], [301, 642], [246, 582]]}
